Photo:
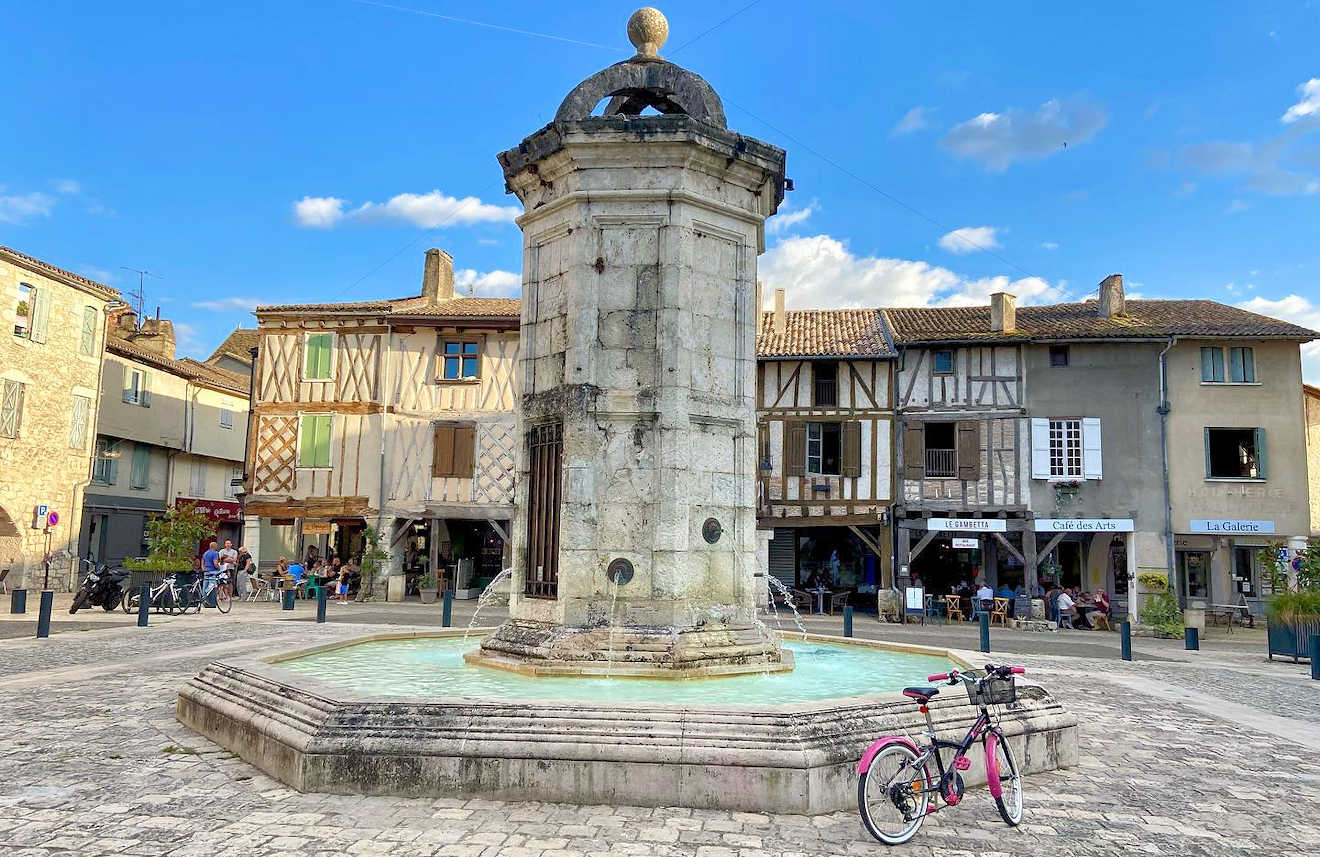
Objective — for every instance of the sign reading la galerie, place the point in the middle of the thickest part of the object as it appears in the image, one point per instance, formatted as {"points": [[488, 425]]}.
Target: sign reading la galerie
{"points": [[1229, 527]]}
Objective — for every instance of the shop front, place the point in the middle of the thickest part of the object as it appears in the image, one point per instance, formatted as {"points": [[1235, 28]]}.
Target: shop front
{"points": [[839, 558], [225, 516], [1223, 561], [1089, 554], [953, 552], [466, 554]]}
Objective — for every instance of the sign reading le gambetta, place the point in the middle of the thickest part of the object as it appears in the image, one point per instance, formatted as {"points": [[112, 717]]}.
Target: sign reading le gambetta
{"points": [[976, 525]]}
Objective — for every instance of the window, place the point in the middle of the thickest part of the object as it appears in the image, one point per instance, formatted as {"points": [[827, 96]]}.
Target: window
{"points": [[944, 362], [1235, 453], [462, 361], [82, 409], [197, 482], [1066, 449], [234, 482], [1058, 356], [314, 440], [318, 356], [454, 451], [137, 387], [226, 418], [11, 409], [23, 310], [88, 340], [941, 454], [139, 476], [825, 386], [824, 448], [1242, 365], [104, 468]]}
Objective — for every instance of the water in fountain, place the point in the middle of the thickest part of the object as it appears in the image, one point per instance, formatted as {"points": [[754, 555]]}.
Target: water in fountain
{"points": [[486, 595], [614, 626], [780, 589]]}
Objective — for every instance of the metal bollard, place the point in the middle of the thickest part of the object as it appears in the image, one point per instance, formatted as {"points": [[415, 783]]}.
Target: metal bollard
{"points": [[1315, 656], [288, 600], [18, 601], [985, 631], [320, 605], [1191, 639], [43, 615], [847, 621], [144, 604], [1125, 640], [447, 616]]}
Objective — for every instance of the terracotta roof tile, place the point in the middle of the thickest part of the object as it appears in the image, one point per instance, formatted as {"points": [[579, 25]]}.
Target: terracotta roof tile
{"points": [[201, 373], [460, 307], [77, 280], [1142, 319], [824, 333], [237, 345]]}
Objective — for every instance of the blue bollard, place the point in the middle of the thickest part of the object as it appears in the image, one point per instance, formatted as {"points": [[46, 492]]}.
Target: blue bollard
{"points": [[1315, 656], [1191, 639], [985, 631], [847, 621], [18, 601], [1125, 640], [144, 604], [320, 605], [288, 600], [43, 615], [447, 616]]}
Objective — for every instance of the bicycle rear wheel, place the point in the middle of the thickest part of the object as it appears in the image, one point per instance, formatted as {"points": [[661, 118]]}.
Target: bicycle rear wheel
{"points": [[1010, 784], [223, 600], [892, 795]]}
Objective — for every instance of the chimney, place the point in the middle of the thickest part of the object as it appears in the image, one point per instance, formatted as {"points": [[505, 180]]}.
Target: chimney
{"points": [[438, 277], [155, 335], [1003, 313], [1112, 302], [780, 322]]}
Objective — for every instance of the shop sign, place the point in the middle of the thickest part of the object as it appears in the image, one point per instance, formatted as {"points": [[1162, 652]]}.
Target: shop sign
{"points": [[966, 543], [980, 525], [1227, 527], [1084, 525], [316, 528], [218, 511]]}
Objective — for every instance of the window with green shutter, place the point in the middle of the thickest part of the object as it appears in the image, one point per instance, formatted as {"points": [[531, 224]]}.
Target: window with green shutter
{"points": [[317, 356], [140, 476], [314, 440], [1242, 365], [1212, 365]]}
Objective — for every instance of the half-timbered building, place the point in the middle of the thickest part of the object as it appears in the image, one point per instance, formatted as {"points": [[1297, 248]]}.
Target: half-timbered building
{"points": [[825, 441], [398, 414]]}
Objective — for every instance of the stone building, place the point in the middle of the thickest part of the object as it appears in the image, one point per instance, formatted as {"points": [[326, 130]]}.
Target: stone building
{"points": [[170, 431], [396, 414], [1311, 395], [50, 366], [825, 445]]}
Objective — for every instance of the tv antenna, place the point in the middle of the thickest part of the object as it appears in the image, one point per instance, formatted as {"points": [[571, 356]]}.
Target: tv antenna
{"points": [[139, 295]]}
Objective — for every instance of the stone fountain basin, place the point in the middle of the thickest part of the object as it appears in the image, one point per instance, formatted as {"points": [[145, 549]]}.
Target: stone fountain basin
{"points": [[794, 758]]}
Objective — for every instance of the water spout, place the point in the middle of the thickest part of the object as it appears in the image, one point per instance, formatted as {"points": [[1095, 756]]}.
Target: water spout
{"points": [[783, 591], [486, 595]]}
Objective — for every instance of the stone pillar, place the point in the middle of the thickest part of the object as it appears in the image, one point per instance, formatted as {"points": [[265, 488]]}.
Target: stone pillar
{"points": [[252, 537], [392, 566]]}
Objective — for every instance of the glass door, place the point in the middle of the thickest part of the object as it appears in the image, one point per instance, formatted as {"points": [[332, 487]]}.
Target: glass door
{"points": [[1193, 576]]}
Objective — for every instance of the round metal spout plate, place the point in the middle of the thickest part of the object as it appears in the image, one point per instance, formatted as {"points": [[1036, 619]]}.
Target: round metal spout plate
{"points": [[620, 571]]}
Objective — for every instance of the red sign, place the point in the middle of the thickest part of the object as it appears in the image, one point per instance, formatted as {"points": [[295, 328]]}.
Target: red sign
{"points": [[52, 519], [219, 511]]}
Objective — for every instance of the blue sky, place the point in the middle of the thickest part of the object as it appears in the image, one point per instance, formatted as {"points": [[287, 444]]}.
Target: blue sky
{"points": [[290, 150]]}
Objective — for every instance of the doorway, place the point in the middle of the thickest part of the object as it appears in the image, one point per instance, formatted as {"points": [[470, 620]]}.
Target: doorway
{"points": [[1193, 576]]}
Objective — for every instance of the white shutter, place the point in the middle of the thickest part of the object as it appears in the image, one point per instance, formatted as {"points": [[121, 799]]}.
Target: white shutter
{"points": [[144, 397], [82, 407], [1040, 449], [40, 315], [1091, 465], [130, 388]]}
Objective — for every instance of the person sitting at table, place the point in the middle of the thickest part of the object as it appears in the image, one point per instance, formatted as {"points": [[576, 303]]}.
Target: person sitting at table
{"points": [[295, 572], [1064, 608], [985, 596]]}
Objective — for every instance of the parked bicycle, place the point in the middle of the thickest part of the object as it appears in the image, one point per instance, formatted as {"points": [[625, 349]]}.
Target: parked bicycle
{"points": [[896, 789], [164, 596], [202, 589]]}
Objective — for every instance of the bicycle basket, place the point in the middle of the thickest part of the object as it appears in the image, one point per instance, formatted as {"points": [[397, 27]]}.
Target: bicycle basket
{"points": [[993, 691]]}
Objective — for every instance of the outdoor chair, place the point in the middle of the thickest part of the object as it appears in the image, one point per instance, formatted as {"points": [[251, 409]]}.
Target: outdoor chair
{"points": [[953, 607], [838, 601], [258, 589], [801, 600], [999, 612], [1098, 619], [1065, 620], [934, 609]]}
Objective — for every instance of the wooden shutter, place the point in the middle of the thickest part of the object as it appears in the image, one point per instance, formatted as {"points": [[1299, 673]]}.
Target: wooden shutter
{"points": [[1040, 449], [11, 409], [852, 448], [144, 395], [1261, 471], [78, 429], [914, 451], [442, 456], [969, 450], [1092, 466], [88, 342], [795, 449], [40, 315], [465, 448]]}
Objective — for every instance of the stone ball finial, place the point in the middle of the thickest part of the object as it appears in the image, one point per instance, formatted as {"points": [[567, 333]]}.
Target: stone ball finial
{"points": [[647, 30]]}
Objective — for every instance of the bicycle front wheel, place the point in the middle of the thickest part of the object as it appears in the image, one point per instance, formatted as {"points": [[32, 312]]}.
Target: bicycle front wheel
{"points": [[130, 600], [223, 600], [893, 796], [1009, 800]]}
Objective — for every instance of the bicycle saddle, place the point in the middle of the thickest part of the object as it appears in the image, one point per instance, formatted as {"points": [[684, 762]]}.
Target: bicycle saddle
{"points": [[921, 693]]}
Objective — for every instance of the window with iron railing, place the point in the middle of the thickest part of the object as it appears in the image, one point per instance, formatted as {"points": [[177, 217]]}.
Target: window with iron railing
{"points": [[941, 451]]}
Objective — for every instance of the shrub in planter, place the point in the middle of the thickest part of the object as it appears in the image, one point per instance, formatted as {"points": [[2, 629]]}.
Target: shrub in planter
{"points": [[1161, 613], [1293, 618]]}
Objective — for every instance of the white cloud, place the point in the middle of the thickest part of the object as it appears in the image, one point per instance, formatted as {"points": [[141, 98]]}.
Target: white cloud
{"points": [[788, 217], [914, 120], [67, 186], [999, 139], [20, 208], [970, 239], [427, 210], [492, 284], [1049, 245], [1298, 310], [819, 271], [1308, 105], [230, 304], [187, 339]]}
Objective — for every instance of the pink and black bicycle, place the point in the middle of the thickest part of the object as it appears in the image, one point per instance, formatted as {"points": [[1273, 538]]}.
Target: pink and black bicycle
{"points": [[897, 788]]}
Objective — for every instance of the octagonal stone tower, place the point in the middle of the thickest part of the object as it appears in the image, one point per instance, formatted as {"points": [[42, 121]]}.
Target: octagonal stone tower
{"points": [[634, 540]]}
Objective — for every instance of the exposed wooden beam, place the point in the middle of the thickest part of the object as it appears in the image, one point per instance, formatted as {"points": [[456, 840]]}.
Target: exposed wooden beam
{"points": [[921, 545], [999, 537], [1049, 546], [499, 529], [866, 540]]}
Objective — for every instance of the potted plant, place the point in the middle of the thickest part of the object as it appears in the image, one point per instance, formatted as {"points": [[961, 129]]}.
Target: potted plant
{"points": [[373, 561], [172, 540], [1293, 614], [426, 587], [1152, 582]]}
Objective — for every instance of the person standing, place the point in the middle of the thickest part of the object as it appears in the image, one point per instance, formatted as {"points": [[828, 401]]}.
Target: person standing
{"points": [[227, 559]]}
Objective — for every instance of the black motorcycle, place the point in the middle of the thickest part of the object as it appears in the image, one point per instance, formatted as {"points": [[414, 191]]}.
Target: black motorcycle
{"points": [[103, 587]]}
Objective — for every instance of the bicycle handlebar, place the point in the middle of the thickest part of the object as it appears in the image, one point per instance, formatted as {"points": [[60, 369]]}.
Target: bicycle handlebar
{"points": [[952, 676]]}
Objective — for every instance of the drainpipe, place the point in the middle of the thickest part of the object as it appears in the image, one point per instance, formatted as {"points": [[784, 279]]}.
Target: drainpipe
{"points": [[386, 535], [1163, 411]]}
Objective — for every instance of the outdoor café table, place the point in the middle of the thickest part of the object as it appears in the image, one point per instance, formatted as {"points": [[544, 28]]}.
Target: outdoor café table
{"points": [[1084, 612], [820, 593]]}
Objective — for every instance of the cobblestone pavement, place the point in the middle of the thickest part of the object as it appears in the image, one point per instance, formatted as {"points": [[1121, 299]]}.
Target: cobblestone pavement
{"points": [[92, 762]]}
